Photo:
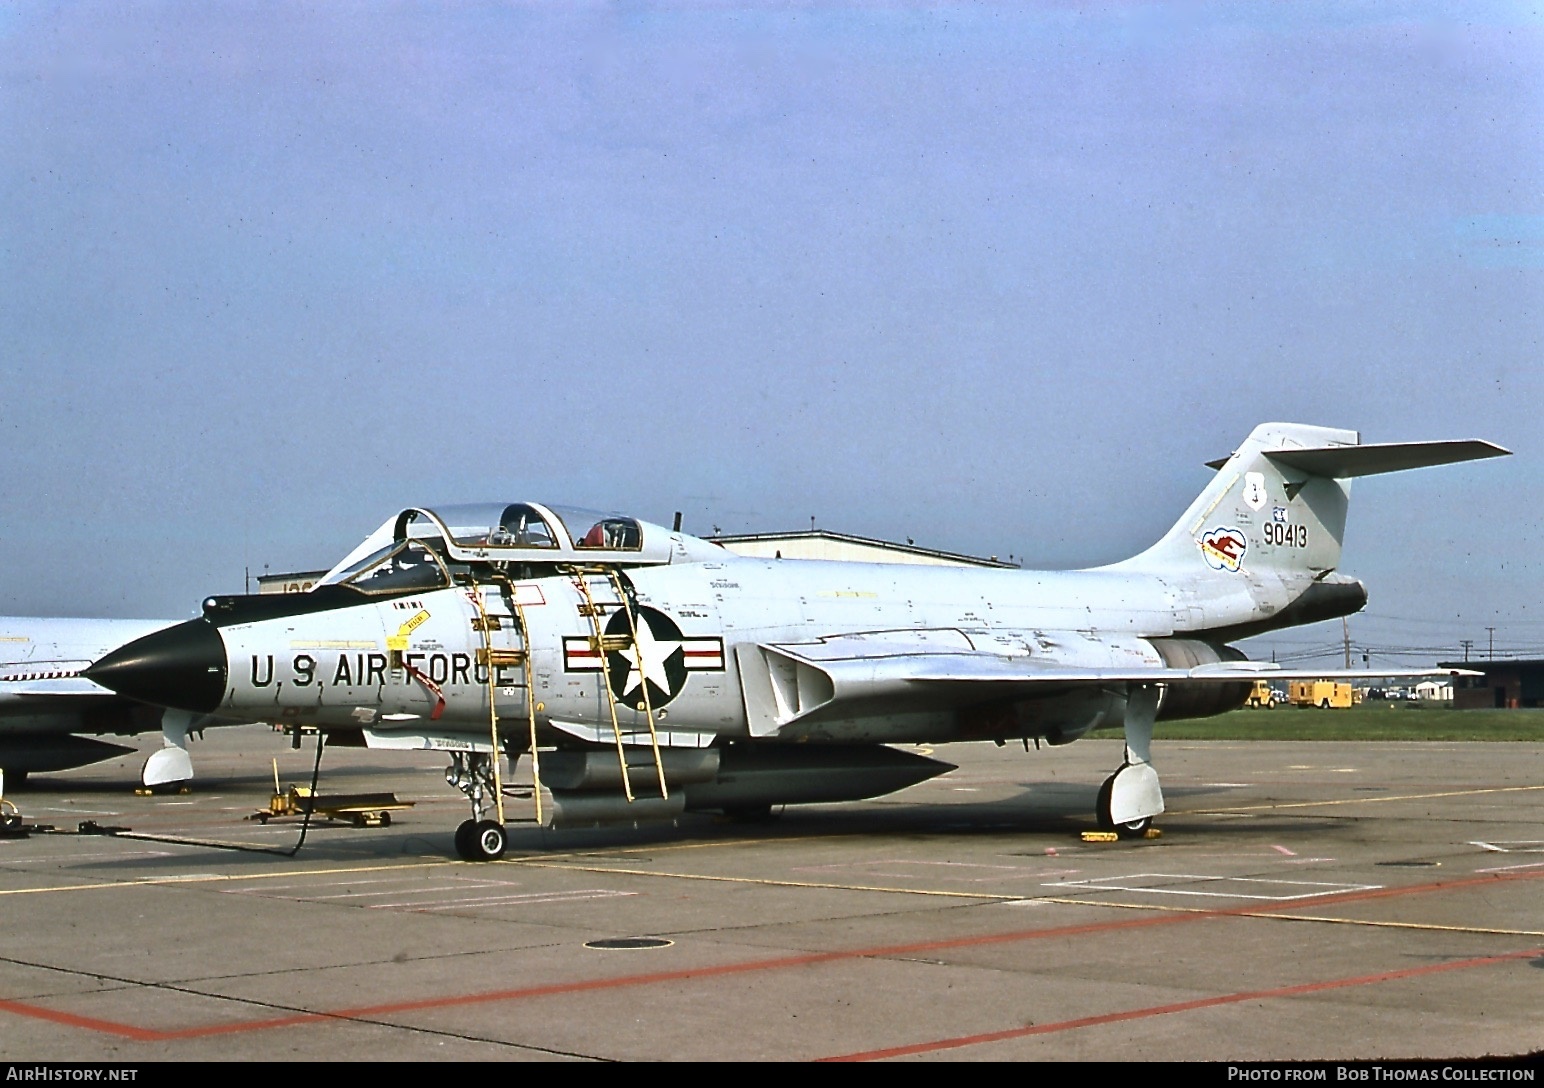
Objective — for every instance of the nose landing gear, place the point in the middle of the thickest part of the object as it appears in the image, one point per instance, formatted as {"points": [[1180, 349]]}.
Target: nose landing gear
{"points": [[477, 839]]}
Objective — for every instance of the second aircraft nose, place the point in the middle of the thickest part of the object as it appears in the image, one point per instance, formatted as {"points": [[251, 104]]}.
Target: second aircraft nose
{"points": [[182, 667]]}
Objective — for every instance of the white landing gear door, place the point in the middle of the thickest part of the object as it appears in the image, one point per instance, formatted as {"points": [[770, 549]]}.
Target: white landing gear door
{"points": [[1135, 794]]}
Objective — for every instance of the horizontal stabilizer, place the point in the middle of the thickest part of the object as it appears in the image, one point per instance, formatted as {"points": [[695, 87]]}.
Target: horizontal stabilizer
{"points": [[1346, 462]]}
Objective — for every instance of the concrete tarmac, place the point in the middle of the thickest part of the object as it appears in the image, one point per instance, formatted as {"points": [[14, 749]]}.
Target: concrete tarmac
{"points": [[1304, 901]]}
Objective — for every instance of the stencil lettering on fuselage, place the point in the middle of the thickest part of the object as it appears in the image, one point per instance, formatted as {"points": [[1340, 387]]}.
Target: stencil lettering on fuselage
{"points": [[374, 670]]}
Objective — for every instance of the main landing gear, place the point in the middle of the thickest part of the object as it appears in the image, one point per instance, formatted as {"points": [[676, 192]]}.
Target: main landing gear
{"points": [[477, 839], [1131, 797]]}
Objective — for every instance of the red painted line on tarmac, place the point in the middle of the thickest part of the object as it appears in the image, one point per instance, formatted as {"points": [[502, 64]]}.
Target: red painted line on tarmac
{"points": [[69, 1019], [581, 986], [654, 978], [784, 962], [1181, 1006]]}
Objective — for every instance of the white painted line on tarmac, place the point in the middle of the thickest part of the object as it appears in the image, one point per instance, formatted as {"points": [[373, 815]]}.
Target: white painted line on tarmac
{"points": [[969, 872], [1511, 846], [55, 859], [1134, 883], [1512, 868], [313, 891], [528, 899]]}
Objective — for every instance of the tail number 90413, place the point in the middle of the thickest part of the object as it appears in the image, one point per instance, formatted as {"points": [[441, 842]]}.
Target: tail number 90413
{"points": [[1285, 535]]}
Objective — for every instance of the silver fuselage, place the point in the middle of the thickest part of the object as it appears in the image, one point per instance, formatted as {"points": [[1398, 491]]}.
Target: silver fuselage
{"points": [[337, 667]]}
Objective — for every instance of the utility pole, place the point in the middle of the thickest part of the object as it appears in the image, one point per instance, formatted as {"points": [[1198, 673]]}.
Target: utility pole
{"points": [[1345, 632], [1466, 643], [1492, 631]]}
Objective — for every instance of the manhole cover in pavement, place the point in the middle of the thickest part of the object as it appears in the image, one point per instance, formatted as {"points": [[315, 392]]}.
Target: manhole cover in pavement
{"points": [[629, 942]]}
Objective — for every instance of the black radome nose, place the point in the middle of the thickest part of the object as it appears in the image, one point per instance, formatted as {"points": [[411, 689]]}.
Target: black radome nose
{"points": [[181, 667]]}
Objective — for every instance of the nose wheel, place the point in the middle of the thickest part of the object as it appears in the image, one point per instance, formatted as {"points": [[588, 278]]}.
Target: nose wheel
{"points": [[481, 840]]}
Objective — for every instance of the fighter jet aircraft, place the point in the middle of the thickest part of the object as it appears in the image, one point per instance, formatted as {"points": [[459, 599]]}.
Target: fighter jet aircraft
{"points": [[647, 672], [50, 714]]}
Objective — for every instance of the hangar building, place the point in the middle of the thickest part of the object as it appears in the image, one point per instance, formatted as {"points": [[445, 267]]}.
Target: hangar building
{"points": [[824, 544], [1514, 683]]}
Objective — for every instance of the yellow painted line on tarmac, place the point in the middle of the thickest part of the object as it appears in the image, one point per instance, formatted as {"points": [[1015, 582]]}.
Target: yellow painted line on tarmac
{"points": [[1281, 916], [1280, 913], [553, 860], [224, 878], [1367, 800], [1427, 926], [1274, 915], [657, 848]]}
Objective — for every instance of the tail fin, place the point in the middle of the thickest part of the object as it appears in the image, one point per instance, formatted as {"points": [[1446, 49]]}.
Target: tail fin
{"points": [[1276, 511]]}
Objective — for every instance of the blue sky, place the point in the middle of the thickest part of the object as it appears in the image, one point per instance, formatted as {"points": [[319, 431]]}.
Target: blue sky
{"points": [[996, 278]]}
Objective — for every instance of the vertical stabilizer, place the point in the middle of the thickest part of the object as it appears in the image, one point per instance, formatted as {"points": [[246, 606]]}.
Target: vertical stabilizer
{"points": [[1269, 526], [1260, 515]]}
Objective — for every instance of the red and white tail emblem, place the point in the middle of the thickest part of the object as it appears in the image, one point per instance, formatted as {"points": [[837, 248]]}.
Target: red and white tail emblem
{"points": [[1223, 549]]}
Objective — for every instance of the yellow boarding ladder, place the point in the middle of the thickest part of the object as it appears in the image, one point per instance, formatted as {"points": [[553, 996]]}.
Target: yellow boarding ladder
{"points": [[601, 644], [492, 658]]}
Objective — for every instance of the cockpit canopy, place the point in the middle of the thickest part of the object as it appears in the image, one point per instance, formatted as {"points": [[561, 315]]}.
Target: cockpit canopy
{"points": [[423, 548]]}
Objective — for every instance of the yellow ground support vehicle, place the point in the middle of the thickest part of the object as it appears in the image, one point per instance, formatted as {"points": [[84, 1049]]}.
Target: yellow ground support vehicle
{"points": [[1324, 694], [1263, 695]]}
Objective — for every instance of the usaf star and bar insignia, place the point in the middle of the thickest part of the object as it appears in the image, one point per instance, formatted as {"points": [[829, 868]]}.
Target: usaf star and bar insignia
{"points": [[661, 658]]}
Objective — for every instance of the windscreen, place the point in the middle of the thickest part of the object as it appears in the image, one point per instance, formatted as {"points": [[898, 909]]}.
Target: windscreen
{"points": [[401, 567]]}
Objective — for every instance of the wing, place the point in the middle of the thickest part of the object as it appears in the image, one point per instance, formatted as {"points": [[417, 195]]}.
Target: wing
{"points": [[842, 674]]}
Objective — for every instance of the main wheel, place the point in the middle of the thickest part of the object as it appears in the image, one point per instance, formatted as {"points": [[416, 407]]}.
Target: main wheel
{"points": [[488, 841], [1102, 805], [464, 835], [1133, 830]]}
